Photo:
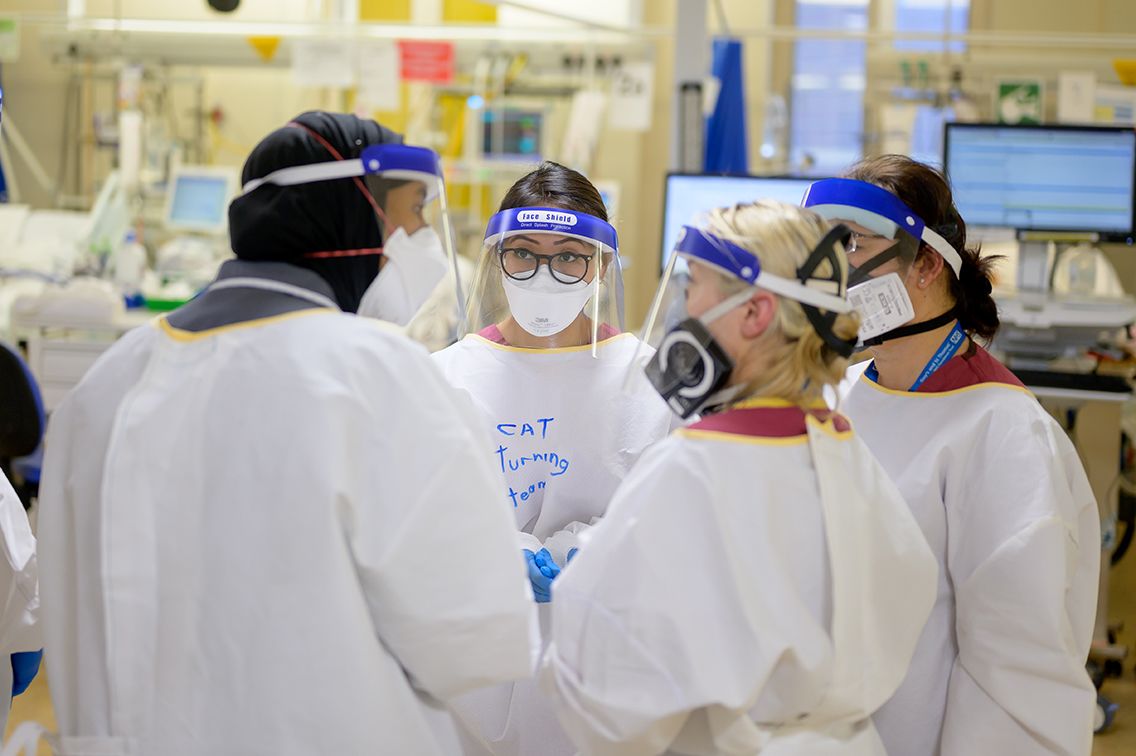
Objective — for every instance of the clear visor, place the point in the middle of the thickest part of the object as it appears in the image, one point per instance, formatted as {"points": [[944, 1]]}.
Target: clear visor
{"points": [[669, 306], [546, 290], [881, 263], [878, 246], [418, 239]]}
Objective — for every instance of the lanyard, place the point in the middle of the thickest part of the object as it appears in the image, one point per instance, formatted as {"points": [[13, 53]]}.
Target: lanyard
{"points": [[948, 349], [266, 284]]}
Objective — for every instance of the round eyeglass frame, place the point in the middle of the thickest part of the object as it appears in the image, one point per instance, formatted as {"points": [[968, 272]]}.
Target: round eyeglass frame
{"points": [[502, 250]]}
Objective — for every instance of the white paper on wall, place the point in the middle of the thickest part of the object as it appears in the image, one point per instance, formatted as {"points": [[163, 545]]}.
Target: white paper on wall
{"points": [[583, 130], [379, 75], [632, 96], [323, 63], [1076, 96]]}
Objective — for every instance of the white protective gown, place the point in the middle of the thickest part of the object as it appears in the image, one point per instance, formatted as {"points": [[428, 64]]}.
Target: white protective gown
{"points": [[19, 591], [276, 537], [757, 586], [564, 433], [1003, 499]]}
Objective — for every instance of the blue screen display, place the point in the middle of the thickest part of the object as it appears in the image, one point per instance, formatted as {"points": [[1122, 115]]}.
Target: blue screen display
{"points": [[689, 198], [199, 201], [1043, 179]]}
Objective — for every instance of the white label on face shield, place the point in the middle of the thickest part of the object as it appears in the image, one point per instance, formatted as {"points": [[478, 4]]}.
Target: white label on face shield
{"points": [[546, 216], [883, 305]]}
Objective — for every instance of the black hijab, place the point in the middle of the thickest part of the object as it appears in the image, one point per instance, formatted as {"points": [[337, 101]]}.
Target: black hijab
{"points": [[333, 220]]}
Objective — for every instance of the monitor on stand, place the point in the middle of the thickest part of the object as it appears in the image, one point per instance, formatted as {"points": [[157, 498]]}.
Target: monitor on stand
{"points": [[1047, 182], [690, 196], [197, 200], [1050, 184]]}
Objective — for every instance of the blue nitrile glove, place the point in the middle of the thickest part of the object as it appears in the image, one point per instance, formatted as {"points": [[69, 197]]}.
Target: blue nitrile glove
{"points": [[25, 664], [571, 553], [542, 571]]}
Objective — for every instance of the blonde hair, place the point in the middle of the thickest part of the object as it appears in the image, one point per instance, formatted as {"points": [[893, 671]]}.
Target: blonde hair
{"points": [[783, 236]]}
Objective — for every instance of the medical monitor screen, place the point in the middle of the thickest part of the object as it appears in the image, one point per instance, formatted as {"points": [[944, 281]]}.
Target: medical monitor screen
{"points": [[199, 202], [1043, 178], [690, 197], [512, 134]]}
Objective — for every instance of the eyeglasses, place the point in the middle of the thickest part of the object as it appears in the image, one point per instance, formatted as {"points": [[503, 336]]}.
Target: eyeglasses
{"points": [[865, 242], [566, 267]]}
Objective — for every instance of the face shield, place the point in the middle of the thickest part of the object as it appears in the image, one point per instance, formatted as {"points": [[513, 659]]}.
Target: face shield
{"points": [[405, 187], [547, 278], [690, 369], [886, 238]]}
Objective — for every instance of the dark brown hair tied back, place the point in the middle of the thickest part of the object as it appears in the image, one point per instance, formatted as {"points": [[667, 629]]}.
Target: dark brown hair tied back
{"points": [[926, 191], [554, 185]]}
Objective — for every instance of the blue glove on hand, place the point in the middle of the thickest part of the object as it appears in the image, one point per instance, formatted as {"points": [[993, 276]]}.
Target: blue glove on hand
{"points": [[24, 667], [542, 571], [572, 553]]}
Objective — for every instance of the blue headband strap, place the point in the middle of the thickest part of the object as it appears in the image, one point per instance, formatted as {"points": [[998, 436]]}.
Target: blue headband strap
{"points": [[551, 220]]}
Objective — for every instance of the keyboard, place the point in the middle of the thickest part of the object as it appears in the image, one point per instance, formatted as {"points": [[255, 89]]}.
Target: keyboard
{"points": [[1113, 384]]}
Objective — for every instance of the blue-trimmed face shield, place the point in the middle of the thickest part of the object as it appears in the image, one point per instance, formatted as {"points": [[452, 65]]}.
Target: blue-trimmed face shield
{"points": [[552, 273], [887, 237], [417, 249], [689, 368], [884, 228]]}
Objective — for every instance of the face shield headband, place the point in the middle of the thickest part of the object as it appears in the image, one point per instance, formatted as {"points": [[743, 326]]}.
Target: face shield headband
{"points": [[391, 161], [880, 211], [550, 220]]}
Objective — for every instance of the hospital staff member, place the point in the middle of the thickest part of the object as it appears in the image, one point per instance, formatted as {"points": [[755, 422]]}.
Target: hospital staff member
{"points": [[21, 636], [252, 508], [758, 584], [546, 361], [546, 357], [993, 480]]}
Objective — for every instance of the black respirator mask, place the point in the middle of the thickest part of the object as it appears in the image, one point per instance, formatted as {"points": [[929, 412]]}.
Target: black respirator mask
{"points": [[690, 369]]}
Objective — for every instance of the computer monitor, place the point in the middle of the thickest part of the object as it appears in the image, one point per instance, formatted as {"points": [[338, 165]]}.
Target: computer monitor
{"points": [[198, 198], [1043, 178], [689, 196], [512, 133]]}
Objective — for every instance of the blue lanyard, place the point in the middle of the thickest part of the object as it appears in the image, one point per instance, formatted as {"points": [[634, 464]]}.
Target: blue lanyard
{"points": [[948, 349]]}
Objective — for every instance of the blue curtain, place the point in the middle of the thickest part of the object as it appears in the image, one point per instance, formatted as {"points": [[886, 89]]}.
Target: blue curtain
{"points": [[726, 148]]}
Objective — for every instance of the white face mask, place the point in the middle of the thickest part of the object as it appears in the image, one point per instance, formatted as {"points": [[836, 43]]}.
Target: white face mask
{"points": [[414, 266], [542, 305], [883, 305]]}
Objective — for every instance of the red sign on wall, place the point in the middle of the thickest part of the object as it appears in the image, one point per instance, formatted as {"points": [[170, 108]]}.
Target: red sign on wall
{"points": [[427, 61]]}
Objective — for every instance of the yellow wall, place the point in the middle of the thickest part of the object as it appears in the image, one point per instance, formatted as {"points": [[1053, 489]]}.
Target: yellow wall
{"points": [[384, 10], [457, 11], [469, 12]]}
